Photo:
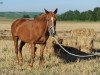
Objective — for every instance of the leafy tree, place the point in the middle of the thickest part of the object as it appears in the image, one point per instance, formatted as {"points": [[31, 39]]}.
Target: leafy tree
{"points": [[94, 18], [97, 12], [83, 16], [26, 16], [76, 15]]}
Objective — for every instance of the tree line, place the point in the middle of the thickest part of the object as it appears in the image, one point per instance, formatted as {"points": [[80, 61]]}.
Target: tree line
{"points": [[80, 16], [90, 15], [16, 15]]}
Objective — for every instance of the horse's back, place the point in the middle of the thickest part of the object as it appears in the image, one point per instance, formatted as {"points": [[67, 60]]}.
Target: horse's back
{"points": [[16, 24], [23, 29]]}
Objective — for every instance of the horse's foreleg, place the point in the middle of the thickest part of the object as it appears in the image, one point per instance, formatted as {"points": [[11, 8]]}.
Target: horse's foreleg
{"points": [[20, 53], [32, 55], [41, 54]]}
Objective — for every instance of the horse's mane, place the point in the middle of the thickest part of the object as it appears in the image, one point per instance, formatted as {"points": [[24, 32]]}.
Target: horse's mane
{"points": [[41, 17]]}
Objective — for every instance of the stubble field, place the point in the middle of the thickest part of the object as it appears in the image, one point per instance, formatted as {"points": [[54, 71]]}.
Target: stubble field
{"points": [[53, 65]]}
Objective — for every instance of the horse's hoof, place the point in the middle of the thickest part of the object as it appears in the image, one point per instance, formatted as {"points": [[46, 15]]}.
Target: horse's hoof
{"points": [[41, 66], [21, 63], [20, 68], [29, 68], [18, 62]]}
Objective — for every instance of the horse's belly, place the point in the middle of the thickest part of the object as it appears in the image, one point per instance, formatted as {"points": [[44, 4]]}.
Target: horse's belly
{"points": [[24, 38]]}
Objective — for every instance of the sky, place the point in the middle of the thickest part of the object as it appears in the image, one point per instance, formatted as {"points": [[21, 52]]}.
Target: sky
{"points": [[51, 5]]}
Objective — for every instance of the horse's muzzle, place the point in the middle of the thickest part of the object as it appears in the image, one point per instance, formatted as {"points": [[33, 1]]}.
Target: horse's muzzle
{"points": [[52, 31]]}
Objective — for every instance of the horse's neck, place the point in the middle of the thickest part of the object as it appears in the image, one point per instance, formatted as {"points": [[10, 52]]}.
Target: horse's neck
{"points": [[41, 18]]}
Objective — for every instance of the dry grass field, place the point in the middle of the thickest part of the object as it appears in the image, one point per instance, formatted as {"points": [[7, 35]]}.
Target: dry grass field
{"points": [[54, 65], [66, 26]]}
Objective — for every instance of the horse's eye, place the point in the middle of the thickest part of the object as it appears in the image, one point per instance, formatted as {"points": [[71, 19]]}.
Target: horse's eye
{"points": [[48, 19]]}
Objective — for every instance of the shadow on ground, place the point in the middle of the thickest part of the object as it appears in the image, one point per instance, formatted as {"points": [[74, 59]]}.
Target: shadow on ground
{"points": [[70, 58]]}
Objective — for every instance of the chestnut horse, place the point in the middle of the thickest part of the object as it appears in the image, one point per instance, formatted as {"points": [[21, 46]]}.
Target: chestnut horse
{"points": [[33, 32]]}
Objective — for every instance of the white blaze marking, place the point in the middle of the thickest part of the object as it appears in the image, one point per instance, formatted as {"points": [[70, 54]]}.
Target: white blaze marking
{"points": [[52, 19]]}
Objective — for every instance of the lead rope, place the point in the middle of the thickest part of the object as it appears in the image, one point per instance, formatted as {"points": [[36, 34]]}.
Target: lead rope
{"points": [[72, 53]]}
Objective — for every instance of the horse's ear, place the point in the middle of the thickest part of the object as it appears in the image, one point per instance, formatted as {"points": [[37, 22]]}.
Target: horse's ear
{"points": [[46, 11], [56, 10]]}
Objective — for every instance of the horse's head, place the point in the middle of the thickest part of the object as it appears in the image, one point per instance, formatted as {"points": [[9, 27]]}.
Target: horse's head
{"points": [[51, 21]]}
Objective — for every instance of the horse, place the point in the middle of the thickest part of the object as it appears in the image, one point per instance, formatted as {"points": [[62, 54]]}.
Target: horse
{"points": [[33, 32]]}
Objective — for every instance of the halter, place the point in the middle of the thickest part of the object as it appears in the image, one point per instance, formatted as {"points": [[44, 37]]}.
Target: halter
{"points": [[51, 29]]}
